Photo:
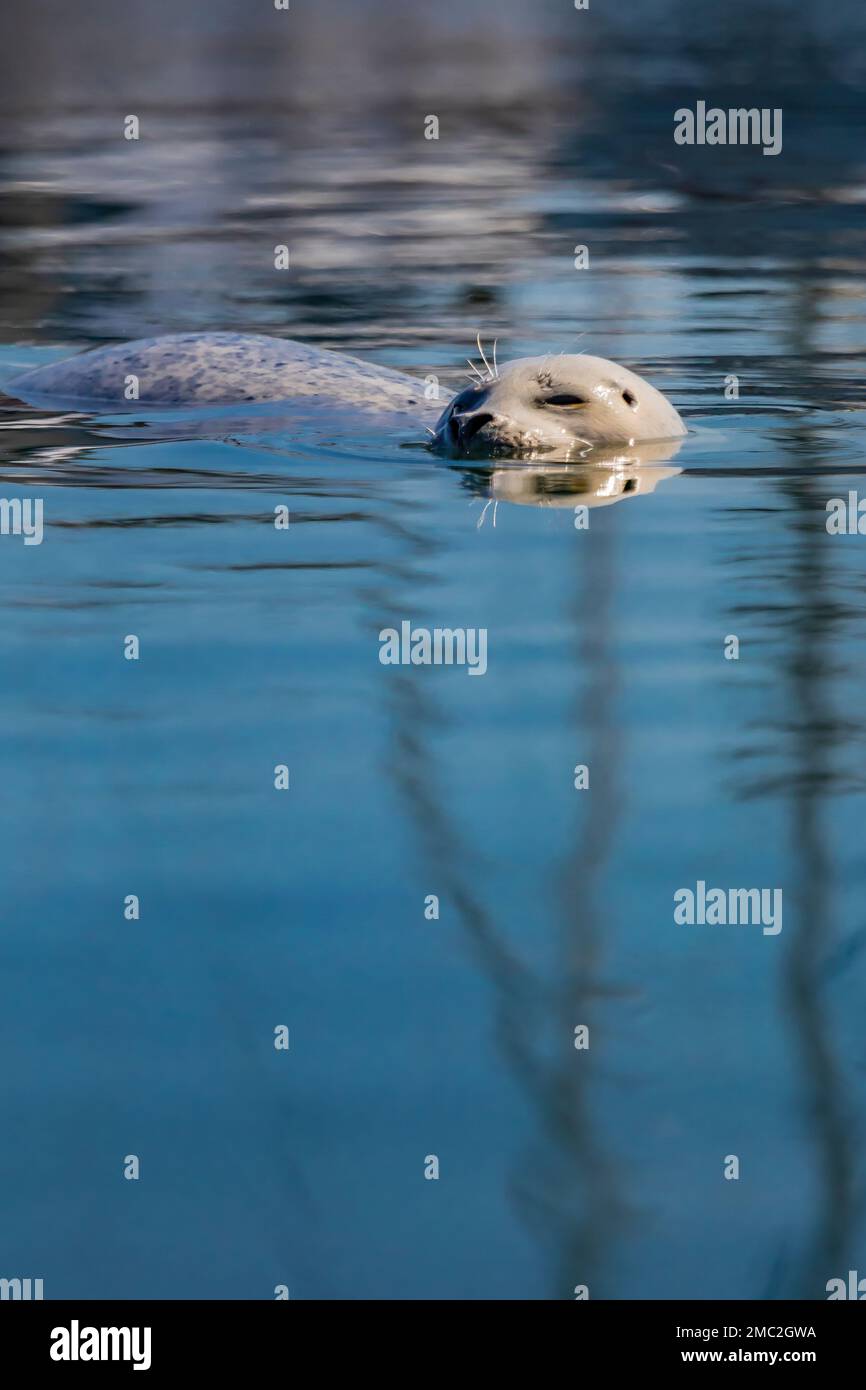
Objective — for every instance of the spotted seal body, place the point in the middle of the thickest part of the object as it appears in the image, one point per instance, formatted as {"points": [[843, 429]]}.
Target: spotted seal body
{"points": [[220, 369]]}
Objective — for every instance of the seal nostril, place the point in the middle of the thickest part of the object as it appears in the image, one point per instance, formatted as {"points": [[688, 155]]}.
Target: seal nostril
{"points": [[471, 424]]}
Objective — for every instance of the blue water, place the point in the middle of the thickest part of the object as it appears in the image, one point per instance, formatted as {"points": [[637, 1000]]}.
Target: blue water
{"points": [[454, 1037]]}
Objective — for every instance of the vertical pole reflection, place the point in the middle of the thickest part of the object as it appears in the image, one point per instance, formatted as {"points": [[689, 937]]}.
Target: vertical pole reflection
{"points": [[804, 733], [808, 668], [564, 1186], [575, 1195]]}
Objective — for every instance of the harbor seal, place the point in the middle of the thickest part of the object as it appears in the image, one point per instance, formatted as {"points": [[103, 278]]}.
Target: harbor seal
{"points": [[566, 404]]}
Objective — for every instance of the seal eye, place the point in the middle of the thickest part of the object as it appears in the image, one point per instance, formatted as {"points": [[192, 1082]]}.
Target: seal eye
{"points": [[564, 402], [630, 398]]}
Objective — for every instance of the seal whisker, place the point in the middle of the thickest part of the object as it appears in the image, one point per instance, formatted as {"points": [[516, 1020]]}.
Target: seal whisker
{"points": [[574, 340], [478, 374], [483, 358], [495, 366]]}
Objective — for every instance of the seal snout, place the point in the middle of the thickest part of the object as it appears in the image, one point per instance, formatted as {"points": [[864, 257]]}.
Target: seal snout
{"points": [[463, 427]]}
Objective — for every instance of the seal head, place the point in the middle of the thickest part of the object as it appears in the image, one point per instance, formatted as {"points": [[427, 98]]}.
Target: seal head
{"points": [[563, 403]]}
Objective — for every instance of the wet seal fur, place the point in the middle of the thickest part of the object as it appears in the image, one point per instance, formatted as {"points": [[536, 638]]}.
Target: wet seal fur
{"points": [[219, 369]]}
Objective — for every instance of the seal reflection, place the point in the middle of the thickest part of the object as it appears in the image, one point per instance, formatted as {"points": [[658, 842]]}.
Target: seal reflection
{"points": [[605, 475]]}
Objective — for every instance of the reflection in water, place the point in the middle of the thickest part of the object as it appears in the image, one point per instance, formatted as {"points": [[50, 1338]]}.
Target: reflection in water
{"points": [[570, 1185], [803, 628], [800, 637], [825, 1103], [612, 474], [566, 1185]]}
